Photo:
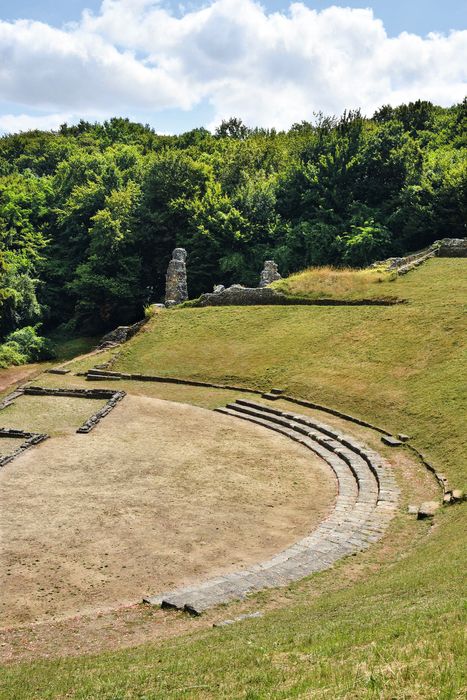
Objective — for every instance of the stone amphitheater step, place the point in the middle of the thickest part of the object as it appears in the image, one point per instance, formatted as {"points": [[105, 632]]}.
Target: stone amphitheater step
{"points": [[366, 502]]}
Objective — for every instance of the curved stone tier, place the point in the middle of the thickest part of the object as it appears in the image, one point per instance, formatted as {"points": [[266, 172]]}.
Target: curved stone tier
{"points": [[366, 502]]}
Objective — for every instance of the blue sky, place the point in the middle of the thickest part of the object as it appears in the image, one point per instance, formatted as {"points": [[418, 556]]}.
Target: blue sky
{"points": [[418, 16], [181, 65]]}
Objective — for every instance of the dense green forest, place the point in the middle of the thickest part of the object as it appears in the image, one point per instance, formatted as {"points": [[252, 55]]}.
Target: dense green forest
{"points": [[90, 214]]}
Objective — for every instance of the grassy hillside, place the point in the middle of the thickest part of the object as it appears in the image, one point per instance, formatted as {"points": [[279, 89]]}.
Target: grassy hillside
{"points": [[402, 366], [395, 633]]}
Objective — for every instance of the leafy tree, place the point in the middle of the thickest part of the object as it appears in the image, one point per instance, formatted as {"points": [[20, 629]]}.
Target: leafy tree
{"points": [[106, 285], [232, 128], [24, 201]]}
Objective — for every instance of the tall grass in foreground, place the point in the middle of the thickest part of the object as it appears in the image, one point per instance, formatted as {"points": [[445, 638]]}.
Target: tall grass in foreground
{"points": [[335, 283]]}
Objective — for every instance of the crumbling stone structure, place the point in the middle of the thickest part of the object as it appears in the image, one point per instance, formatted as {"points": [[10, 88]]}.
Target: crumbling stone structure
{"points": [[176, 290], [269, 274], [444, 248], [452, 248]]}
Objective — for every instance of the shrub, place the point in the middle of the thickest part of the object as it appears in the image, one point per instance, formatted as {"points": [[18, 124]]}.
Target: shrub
{"points": [[24, 345], [11, 355], [364, 244]]}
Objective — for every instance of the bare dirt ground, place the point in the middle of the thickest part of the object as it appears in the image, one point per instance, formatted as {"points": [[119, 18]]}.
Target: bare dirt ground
{"points": [[129, 626], [158, 495], [14, 375]]}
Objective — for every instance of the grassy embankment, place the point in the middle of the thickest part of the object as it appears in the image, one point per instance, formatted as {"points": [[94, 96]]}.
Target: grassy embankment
{"points": [[332, 283], [397, 635]]}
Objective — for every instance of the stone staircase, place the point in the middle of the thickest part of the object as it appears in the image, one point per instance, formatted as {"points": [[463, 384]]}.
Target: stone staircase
{"points": [[366, 502]]}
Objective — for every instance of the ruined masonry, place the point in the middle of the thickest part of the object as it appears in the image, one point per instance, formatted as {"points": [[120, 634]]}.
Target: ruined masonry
{"points": [[176, 290], [269, 274]]}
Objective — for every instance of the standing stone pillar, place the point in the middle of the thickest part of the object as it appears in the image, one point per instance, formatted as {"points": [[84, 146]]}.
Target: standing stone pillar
{"points": [[269, 274], [176, 289]]}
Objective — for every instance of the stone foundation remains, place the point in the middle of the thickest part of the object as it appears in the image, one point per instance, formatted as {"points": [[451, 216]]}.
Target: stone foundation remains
{"points": [[112, 397], [120, 335], [452, 248], [236, 295], [28, 440]]}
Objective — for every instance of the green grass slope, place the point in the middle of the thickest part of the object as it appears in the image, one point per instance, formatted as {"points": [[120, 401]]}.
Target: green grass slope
{"points": [[397, 634]]}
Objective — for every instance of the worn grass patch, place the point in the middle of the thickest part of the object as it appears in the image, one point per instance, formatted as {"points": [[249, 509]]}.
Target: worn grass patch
{"points": [[338, 283], [53, 415]]}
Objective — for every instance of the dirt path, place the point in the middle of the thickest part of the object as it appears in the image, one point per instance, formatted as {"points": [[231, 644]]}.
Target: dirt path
{"points": [[12, 376], [158, 495], [15, 375]]}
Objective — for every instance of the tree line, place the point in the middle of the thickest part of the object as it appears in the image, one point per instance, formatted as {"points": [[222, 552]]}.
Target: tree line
{"points": [[89, 214]]}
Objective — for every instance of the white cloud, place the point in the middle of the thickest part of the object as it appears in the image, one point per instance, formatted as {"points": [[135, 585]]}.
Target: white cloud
{"points": [[13, 123], [269, 69]]}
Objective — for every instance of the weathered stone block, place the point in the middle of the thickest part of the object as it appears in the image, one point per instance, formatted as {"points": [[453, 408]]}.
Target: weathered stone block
{"points": [[247, 616], [452, 248], [176, 290], [427, 510], [391, 441]]}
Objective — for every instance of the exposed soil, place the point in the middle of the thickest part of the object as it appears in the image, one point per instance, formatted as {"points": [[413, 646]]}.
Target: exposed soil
{"points": [[158, 495], [14, 375]]}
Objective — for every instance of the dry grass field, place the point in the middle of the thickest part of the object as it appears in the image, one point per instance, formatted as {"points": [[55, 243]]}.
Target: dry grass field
{"points": [[339, 283]]}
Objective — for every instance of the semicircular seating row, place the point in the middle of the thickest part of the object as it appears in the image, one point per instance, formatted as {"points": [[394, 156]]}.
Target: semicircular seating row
{"points": [[366, 502]]}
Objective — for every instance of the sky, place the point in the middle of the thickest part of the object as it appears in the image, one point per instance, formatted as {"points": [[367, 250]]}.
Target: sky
{"points": [[182, 65]]}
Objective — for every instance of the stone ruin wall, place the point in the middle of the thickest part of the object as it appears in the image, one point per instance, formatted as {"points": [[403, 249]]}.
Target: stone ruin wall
{"points": [[444, 248]]}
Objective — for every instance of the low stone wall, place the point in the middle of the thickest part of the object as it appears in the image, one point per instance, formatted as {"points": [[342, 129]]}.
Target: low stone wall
{"points": [[91, 422], [261, 296], [452, 248], [72, 393], [444, 248], [10, 399], [29, 440], [439, 476], [96, 375], [112, 397]]}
